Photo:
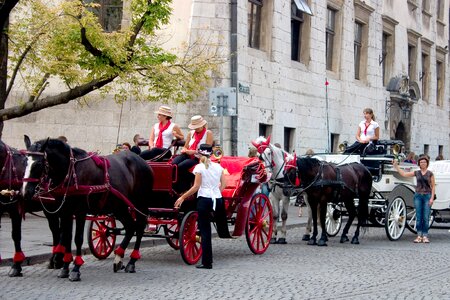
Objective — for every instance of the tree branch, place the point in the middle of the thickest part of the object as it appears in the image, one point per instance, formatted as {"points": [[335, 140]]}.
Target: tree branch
{"points": [[39, 88], [91, 49], [62, 98]]}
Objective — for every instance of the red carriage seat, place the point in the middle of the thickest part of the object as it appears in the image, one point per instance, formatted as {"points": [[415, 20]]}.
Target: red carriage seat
{"points": [[234, 166]]}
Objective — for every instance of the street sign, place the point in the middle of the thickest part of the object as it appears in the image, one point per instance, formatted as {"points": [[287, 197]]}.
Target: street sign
{"points": [[222, 101]]}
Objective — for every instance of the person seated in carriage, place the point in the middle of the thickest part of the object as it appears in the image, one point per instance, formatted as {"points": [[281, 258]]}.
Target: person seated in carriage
{"points": [[198, 135], [367, 135], [162, 135]]}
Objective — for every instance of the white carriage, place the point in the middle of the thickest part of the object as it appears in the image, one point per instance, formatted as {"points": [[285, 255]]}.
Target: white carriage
{"points": [[391, 203]]}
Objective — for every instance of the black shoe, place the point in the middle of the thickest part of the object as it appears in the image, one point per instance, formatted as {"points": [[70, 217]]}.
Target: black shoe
{"points": [[202, 266], [281, 241]]}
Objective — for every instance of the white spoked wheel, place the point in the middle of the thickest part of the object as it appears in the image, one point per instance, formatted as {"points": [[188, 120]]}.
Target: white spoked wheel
{"points": [[333, 219], [411, 220], [395, 218]]}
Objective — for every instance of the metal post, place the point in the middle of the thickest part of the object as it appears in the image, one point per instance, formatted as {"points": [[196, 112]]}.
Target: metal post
{"points": [[222, 105], [328, 122]]}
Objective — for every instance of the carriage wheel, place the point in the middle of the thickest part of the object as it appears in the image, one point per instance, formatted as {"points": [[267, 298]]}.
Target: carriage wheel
{"points": [[258, 231], [395, 218], [100, 237], [172, 231], [333, 219], [377, 216], [411, 219], [190, 246]]}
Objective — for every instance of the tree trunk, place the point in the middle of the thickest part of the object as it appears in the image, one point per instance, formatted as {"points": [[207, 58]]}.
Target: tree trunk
{"points": [[3, 69]]}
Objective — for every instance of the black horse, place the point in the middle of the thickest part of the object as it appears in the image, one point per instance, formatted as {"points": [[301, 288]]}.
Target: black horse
{"points": [[324, 182], [12, 165], [119, 184]]}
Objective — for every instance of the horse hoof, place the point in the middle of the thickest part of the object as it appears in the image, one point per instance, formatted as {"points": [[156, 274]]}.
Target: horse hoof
{"points": [[15, 272], [58, 264], [344, 239], [306, 237], [118, 266], [64, 273], [75, 276], [51, 264], [355, 241], [322, 243], [130, 268], [281, 241], [312, 242], [273, 241]]}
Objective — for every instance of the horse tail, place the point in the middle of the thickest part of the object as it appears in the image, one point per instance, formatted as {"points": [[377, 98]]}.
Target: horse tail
{"points": [[365, 188]]}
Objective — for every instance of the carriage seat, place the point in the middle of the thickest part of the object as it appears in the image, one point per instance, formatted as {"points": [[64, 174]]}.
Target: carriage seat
{"points": [[166, 175], [233, 166]]}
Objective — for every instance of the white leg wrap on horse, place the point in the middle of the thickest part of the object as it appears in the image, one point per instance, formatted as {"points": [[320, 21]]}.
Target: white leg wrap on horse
{"points": [[117, 259]]}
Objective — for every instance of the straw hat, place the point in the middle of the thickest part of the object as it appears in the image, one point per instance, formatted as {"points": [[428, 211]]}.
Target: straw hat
{"points": [[165, 111], [197, 122]]}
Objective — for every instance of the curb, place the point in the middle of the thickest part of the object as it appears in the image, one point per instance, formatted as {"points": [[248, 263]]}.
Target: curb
{"points": [[42, 258]]}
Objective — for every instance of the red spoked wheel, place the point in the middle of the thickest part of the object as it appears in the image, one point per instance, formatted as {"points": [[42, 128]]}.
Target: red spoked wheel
{"points": [[172, 231], [190, 246], [258, 231], [100, 236]]}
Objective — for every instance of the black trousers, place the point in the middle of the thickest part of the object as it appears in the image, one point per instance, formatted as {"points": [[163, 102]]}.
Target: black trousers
{"points": [[154, 152], [358, 148], [204, 208], [185, 178]]}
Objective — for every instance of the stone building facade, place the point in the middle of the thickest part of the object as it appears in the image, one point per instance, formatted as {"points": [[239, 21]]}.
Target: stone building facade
{"points": [[303, 77]]}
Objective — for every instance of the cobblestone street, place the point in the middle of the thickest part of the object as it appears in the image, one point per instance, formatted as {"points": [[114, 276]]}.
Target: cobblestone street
{"points": [[375, 269]]}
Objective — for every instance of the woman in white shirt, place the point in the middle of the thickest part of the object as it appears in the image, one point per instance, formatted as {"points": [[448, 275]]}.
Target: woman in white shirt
{"points": [[162, 135], [209, 183], [368, 133]]}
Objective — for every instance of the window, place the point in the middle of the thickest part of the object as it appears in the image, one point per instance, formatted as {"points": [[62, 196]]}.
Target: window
{"points": [[254, 23], [334, 143], [388, 49], [265, 130], [289, 134], [426, 149], [361, 38], [424, 75], [357, 48], [441, 150], [440, 75], [411, 61], [413, 40], [297, 21], [330, 36], [439, 83], [109, 13], [440, 6], [426, 6]]}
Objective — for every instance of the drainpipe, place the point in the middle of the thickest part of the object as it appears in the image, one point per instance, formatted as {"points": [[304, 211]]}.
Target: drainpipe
{"points": [[234, 72]]}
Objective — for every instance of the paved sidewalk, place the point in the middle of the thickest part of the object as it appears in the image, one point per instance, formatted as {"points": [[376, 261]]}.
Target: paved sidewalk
{"points": [[37, 239]]}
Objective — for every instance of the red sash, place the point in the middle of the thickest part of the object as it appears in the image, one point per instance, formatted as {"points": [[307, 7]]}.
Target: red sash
{"points": [[159, 140], [197, 138]]}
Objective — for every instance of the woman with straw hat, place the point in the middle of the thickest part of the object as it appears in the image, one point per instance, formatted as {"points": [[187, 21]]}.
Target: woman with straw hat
{"points": [[162, 135], [198, 135]]}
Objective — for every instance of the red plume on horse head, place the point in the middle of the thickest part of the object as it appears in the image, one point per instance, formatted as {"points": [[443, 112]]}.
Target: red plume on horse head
{"points": [[261, 143]]}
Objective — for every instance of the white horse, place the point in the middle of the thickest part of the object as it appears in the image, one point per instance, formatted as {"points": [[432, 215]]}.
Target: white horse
{"points": [[275, 159]]}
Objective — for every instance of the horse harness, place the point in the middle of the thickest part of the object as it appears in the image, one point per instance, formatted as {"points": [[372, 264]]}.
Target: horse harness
{"points": [[338, 183], [70, 187], [9, 175]]}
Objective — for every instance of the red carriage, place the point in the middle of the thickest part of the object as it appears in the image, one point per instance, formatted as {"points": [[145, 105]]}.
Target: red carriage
{"points": [[248, 211]]}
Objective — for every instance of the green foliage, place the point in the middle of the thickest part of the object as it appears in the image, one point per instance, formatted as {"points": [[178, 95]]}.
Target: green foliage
{"points": [[143, 69]]}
